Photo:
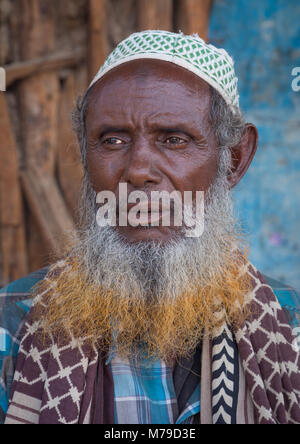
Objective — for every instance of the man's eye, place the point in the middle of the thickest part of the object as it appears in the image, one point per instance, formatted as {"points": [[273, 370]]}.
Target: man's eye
{"points": [[112, 141], [175, 140]]}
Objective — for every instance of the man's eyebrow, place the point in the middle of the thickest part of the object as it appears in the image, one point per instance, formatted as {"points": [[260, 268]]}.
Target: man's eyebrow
{"points": [[104, 129], [189, 127], [191, 132], [178, 127], [173, 129]]}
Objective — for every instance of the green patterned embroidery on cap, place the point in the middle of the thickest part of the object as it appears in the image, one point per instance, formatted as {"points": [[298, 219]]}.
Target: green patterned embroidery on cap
{"points": [[211, 64]]}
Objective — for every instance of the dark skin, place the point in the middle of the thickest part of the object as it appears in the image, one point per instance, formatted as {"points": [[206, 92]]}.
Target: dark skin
{"points": [[148, 125]]}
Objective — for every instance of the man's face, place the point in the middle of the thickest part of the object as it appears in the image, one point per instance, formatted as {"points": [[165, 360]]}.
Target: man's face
{"points": [[148, 126]]}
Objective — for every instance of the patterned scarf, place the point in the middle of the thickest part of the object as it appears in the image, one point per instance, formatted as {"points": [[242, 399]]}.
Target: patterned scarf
{"points": [[252, 376]]}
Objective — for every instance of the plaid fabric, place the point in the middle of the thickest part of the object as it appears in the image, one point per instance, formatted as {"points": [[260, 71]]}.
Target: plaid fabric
{"points": [[145, 394], [147, 399], [15, 303]]}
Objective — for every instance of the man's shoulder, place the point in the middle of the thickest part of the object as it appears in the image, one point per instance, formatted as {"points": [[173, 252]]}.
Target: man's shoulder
{"points": [[288, 298], [22, 288], [15, 302], [15, 298]]}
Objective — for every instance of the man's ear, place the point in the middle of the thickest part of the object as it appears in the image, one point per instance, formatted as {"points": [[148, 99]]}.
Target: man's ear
{"points": [[243, 153]]}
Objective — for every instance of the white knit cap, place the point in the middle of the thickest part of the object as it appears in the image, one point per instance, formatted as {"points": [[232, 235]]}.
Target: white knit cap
{"points": [[211, 64]]}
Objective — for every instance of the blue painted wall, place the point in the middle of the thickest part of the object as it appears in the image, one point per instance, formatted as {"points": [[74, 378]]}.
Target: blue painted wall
{"points": [[263, 37]]}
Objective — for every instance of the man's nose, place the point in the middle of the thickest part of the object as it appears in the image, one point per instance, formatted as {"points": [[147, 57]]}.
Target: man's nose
{"points": [[141, 167]]}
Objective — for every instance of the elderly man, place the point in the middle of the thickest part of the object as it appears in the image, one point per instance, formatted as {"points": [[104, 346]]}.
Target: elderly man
{"points": [[144, 321]]}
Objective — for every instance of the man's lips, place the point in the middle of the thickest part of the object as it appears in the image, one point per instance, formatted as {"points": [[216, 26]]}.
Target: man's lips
{"points": [[146, 213]]}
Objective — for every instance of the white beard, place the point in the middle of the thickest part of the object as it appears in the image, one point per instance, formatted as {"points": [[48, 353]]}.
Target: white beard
{"points": [[147, 268]]}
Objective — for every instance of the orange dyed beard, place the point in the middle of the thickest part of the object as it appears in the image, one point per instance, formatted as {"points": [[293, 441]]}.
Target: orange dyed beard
{"points": [[149, 327], [148, 300]]}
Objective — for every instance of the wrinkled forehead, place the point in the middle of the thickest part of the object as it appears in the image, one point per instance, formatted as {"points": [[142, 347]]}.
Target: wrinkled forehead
{"points": [[164, 82]]}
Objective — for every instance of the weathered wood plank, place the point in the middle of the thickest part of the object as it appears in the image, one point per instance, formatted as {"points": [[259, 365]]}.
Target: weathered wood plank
{"points": [[21, 70], [38, 97], [97, 36], [69, 165], [38, 94], [37, 26], [192, 16], [155, 14], [12, 224], [48, 208]]}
